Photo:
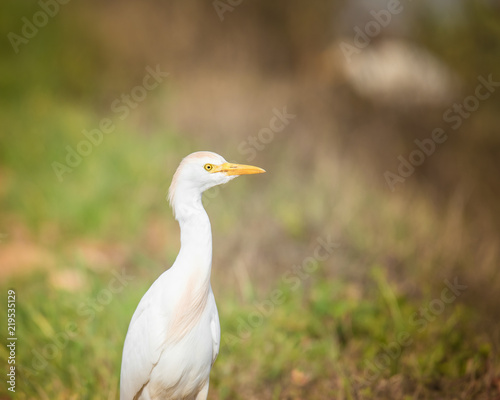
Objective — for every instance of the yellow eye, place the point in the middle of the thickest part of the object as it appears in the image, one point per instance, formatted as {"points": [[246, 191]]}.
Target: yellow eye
{"points": [[208, 167]]}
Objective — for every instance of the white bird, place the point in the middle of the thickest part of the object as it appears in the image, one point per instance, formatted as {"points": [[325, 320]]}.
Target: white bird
{"points": [[174, 335]]}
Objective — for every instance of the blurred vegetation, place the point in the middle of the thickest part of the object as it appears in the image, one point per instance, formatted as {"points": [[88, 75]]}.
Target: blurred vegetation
{"points": [[63, 242]]}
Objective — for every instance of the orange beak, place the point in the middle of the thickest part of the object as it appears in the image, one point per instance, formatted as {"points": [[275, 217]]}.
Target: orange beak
{"points": [[237, 169]]}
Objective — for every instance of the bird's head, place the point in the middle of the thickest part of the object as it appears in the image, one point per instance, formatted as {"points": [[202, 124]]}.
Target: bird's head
{"points": [[200, 171]]}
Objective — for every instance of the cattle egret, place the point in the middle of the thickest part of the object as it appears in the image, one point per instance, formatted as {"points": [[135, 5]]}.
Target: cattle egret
{"points": [[174, 335]]}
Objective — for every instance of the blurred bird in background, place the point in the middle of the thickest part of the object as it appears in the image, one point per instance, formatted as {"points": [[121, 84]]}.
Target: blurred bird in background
{"points": [[174, 335]]}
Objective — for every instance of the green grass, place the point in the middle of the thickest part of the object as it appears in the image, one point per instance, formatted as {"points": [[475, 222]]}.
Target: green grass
{"points": [[322, 341]]}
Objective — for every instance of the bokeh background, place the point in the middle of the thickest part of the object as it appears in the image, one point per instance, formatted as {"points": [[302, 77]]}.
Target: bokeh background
{"points": [[80, 243]]}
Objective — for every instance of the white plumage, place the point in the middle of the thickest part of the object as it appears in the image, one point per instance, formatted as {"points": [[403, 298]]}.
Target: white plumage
{"points": [[174, 335]]}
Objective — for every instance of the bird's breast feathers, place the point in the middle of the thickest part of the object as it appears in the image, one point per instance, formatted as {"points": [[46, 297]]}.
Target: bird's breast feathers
{"points": [[172, 340], [189, 309]]}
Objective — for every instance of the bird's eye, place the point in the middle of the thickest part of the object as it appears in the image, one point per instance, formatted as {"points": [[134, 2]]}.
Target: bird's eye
{"points": [[208, 167]]}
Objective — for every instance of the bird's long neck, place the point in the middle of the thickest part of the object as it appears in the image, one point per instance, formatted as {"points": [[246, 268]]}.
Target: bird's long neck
{"points": [[195, 256], [191, 269]]}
